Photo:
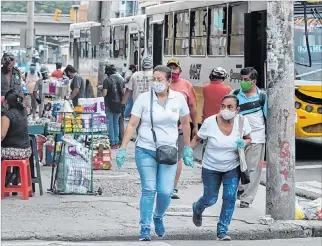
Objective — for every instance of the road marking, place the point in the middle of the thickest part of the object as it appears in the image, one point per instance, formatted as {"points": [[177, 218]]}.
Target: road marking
{"points": [[311, 186], [39, 243]]}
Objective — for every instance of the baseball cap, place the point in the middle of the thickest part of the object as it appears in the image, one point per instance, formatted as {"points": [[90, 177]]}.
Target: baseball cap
{"points": [[147, 62], [174, 62]]}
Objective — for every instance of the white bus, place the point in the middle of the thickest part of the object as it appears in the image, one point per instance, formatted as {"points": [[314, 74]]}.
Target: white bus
{"points": [[206, 34], [127, 46]]}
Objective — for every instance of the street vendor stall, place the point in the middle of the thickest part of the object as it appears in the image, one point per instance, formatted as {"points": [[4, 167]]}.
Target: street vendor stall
{"points": [[84, 144]]}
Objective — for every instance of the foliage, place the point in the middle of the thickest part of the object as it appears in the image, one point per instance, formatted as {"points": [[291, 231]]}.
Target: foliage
{"points": [[40, 6]]}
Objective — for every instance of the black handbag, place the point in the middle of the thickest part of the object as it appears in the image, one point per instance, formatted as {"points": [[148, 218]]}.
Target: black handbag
{"points": [[165, 154]]}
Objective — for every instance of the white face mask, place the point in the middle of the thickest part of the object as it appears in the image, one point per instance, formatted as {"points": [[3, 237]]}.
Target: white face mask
{"points": [[158, 86], [227, 115]]}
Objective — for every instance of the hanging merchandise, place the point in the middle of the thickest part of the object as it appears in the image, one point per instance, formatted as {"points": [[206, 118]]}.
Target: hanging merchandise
{"points": [[75, 175]]}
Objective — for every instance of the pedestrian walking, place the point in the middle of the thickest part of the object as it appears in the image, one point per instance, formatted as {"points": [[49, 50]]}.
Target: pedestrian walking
{"points": [[113, 93], [77, 84], [225, 132], [186, 89], [38, 92], [214, 91], [253, 104], [159, 111]]}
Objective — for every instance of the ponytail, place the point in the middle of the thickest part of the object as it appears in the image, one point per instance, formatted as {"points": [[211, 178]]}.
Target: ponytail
{"points": [[14, 100]]}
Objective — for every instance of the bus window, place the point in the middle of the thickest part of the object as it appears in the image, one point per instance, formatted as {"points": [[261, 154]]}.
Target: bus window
{"points": [[181, 33], [71, 43], [126, 37], [95, 51], [236, 29], [83, 43], [83, 52], [217, 31], [118, 47], [168, 35], [149, 36], [198, 32], [89, 50]]}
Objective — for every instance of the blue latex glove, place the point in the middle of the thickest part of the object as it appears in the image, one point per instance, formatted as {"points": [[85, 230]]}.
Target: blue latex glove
{"points": [[188, 159], [240, 143], [121, 157]]}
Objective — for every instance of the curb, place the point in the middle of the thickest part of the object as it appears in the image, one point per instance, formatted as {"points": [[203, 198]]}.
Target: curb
{"points": [[278, 230], [302, 193]]}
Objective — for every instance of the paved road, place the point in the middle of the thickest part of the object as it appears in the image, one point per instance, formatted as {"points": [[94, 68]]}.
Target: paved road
{"points": [[286, 242], [308, 173]]}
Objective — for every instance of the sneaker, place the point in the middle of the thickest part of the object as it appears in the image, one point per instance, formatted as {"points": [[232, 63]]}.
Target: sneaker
{"points": [[239, 193], [145, 235], [223, 237], [159, 227], [175, 194], [196, 218], [244, 204]]}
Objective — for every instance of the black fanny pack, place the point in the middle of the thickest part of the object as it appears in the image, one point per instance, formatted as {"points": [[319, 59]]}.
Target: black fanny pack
{"points": [[165, 154]]}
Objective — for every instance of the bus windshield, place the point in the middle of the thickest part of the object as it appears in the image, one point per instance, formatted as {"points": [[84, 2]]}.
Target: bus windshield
{"points": [[306, 68]]}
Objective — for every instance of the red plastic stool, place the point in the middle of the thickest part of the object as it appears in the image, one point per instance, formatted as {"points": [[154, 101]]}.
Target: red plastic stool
{"points": [[25, 178]]}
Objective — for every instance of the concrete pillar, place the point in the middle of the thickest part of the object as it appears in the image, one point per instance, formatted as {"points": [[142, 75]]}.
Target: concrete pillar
{"points": [[280, 181]]}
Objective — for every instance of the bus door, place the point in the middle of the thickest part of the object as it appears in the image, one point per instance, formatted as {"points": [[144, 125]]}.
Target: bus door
{"points": [[76, 49], [255, 44], [157, 43]]}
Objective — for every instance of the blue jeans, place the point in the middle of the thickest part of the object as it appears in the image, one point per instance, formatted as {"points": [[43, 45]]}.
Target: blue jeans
{"points": [[211, 182], [113, 127], [155, 178], [128, 108]]}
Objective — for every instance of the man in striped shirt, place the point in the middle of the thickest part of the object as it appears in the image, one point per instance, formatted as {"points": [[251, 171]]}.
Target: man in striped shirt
{"points": [[253, 104]]}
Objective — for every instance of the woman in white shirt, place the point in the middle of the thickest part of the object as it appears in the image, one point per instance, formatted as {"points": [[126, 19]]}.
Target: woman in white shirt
{"points": [[220, 162], [156, 178]]}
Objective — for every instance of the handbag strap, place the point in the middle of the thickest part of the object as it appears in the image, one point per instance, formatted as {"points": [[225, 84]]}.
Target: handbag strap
{"points": [[241, 125], [151, 117]]}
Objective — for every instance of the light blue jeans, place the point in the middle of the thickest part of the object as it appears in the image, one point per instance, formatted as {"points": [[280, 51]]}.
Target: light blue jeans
{"points": [[113, 127], [128, 107], [155, 178]]}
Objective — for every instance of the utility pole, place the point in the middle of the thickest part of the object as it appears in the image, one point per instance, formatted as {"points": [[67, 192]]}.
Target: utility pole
{"points": [[280, 181], [30, 29], [104, 47]]}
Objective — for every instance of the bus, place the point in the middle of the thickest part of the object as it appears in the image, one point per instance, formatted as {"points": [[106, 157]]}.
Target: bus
{"points": [[126, 42], [207, 34]]}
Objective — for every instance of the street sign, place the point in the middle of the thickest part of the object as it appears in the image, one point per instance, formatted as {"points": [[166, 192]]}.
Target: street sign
{"points": [[95, 35]]}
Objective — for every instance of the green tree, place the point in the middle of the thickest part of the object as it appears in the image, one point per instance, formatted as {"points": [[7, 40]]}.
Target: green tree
{"points": [[40, 6]]}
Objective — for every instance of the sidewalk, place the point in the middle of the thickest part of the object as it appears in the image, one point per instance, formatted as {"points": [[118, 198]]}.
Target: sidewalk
{"points": [[115, 214]]}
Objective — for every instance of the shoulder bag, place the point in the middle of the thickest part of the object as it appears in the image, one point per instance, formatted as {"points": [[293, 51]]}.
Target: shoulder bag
{"points": [[165, 154], [244, 175]]}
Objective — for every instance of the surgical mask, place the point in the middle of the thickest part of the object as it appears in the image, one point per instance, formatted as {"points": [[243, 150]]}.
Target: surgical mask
{"points": [[175, 76], [227, 115], [158, 86], [246, 85]]}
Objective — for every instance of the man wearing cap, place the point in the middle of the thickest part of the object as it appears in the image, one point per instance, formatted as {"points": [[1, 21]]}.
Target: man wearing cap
{"points": [[184, 87], [139, 81], [10, 75]]}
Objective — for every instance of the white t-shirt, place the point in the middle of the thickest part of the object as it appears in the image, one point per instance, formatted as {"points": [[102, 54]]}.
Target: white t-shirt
{"points": [[221, 152], [140, 82], [257, 123], [165, 119]]}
